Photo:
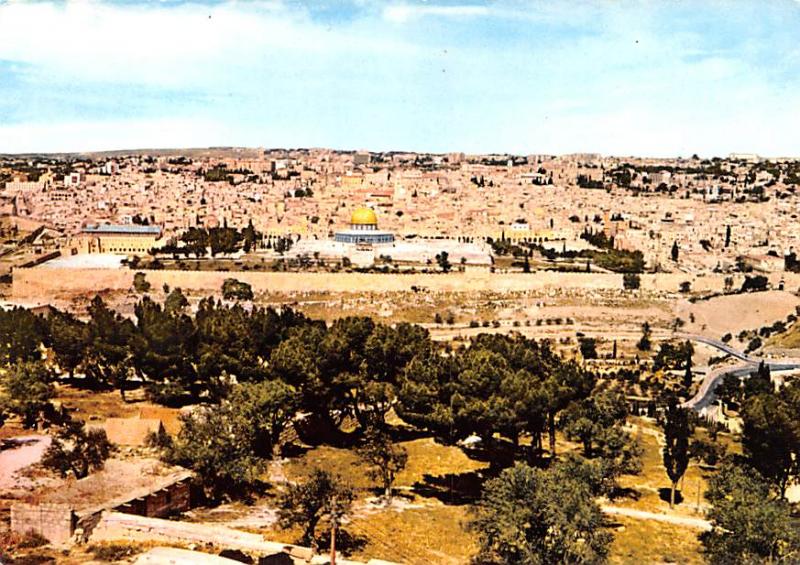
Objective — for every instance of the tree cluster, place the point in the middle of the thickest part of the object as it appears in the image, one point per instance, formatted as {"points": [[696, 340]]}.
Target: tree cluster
{"points": [[499, 385], [533, 516]]}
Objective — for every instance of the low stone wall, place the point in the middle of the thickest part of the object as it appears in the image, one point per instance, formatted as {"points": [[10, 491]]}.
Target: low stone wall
{"points": [[44, 282], [56, 522], [117, 525]]}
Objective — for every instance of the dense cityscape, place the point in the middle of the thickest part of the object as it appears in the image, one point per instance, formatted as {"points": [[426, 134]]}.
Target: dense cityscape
{"points": [[381, 283]]}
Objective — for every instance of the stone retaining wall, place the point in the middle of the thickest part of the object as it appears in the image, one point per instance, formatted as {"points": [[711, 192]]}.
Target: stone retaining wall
{"points": [[44, 282], [56, 522]]}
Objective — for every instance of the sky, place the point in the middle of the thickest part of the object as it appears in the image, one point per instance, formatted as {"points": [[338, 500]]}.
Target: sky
{"points": [[649, 78]]}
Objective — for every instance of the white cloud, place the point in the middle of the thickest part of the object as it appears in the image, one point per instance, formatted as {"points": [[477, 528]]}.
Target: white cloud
{"points": [[170, 45], [112, 134], [401, 13]]}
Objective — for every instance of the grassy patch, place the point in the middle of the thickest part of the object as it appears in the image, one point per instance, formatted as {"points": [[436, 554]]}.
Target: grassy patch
{"points": [[432, 533], [97, 405], [790, 339], [425, 458], [643, 541], [417, 536], [114, 551], [653, 478]]}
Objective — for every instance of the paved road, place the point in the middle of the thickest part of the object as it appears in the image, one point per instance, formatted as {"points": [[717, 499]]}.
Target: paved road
{"points": [[705, 394], [721, 345]]}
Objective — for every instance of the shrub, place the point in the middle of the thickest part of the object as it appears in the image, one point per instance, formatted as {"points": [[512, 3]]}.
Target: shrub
{"points": [[236, 290], [114, 551], [631, 281], [140, 283], [31, 540], [754, 344]]}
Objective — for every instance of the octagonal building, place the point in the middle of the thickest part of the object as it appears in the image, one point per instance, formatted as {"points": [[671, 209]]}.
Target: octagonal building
{"points": [[364, 229]]}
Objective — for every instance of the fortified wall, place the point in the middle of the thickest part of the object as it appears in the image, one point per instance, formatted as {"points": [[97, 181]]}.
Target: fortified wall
{"points": [[44, 283]]}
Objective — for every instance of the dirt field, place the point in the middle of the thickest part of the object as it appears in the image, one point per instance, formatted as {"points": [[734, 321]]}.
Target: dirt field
{"points": [[736, 312]]}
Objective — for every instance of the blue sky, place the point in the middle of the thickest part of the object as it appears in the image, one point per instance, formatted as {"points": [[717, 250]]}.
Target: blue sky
{"points": [[625, 78]]}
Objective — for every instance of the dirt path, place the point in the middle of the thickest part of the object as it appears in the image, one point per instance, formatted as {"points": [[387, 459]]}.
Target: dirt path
{"points": [[697, 523], [21, 452]]}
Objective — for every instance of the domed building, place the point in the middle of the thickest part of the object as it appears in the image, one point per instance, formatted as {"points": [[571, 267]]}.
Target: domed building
{"points": [[364, 229]]}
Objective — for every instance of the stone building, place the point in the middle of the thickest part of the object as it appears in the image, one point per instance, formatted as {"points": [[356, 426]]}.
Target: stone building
{"points": [[364, 230], [121, 239]]}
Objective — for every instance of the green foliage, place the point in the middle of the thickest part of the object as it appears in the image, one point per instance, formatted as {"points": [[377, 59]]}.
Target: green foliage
{"points": [[771, 438], [217, 443], [268, 407], [644, 344], [748, 524], [224, 240], [678, 429], [236, 342], [77, 450], [162, 349], [284, 244], [217, 174], [108, 357], [597, 422], [322, 496], [236, 290], [500, 384], [588, 347], [754, 344], [631, 281], [176, 302], [531, 516], [620, 261], [755, 283], [26, 390], [707, 450], [385, 458], [729, 390], [23, 333], [673, 356], [249, 237], [443, 260], [68, 340], [114, 552], [350, 368], [196, 241], [140, 283], [617, 260]]}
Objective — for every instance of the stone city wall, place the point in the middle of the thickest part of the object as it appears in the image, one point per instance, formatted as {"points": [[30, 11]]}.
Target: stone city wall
{"points": [[56, 522], [32, 283]]}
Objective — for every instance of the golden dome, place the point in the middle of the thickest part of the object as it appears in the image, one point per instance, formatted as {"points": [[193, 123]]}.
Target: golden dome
{"points": [[364, 217]]}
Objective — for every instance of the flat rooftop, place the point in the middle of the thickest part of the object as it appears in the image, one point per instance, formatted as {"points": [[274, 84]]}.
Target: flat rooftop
{"points": [[85, 261], [118, 482], [125, 229]]}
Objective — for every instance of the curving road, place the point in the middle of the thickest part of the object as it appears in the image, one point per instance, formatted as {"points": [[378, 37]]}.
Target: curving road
{"points": [[720, 345], [705, 394]]}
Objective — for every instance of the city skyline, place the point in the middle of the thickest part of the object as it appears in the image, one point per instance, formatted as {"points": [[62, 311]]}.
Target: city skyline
{"points": [[631, 78]]}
